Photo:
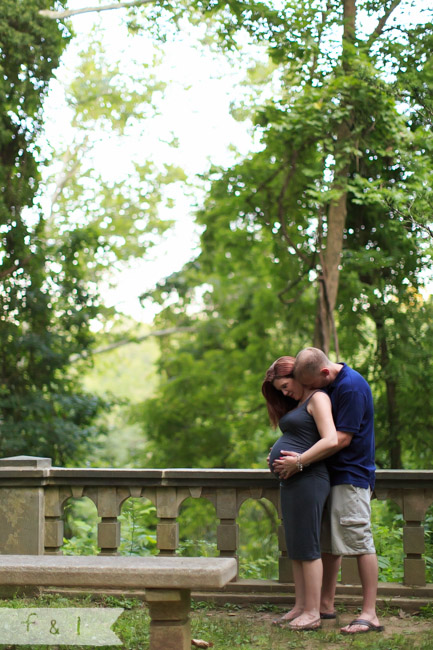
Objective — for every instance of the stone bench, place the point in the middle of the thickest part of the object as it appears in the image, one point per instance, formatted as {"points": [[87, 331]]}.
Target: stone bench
{"points": [[168, 582]]}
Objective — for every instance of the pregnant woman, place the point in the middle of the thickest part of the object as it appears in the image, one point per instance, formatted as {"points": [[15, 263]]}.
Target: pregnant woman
{"points": [[305, 418]]}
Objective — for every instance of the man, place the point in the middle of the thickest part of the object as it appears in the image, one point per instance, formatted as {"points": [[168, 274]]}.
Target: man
{"points": [[346, 526]]}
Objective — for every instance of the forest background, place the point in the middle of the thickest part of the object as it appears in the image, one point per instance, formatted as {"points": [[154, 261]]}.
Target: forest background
{"points": [[320, 233]]}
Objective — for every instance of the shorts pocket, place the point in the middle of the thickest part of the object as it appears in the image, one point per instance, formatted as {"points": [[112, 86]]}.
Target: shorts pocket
{"points": [[355, 531], [354, 521]]}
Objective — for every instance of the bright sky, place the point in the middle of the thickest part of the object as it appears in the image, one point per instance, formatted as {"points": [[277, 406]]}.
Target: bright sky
{"points": [[195, 108]]}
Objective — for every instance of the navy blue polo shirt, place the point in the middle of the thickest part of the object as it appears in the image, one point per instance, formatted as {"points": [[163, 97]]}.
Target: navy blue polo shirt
{"points": [[353, 412]]}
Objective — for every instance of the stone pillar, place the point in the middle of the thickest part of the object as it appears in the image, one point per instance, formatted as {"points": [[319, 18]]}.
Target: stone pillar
{"points": [[54, 524], [169, 613], [414, 547], [109, 526], [227, 529], [22, 507], [349, 571], [167, 536], [227, 537], [285, 572], [167, 530], [415, 505]]}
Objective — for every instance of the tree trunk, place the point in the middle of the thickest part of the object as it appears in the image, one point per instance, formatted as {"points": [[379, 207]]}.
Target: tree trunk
{"points": [[394, 443], [325, 329]]}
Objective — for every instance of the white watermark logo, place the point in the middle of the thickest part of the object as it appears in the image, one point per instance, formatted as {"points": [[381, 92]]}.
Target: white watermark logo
{"points": [[59, 626]]}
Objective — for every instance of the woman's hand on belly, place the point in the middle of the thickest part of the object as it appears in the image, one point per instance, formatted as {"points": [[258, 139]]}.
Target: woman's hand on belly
{"points": [[285, 466], [268, 459]]}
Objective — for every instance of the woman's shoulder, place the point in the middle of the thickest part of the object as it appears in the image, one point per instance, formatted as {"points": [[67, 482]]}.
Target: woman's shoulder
{"points": [[319, 396]]}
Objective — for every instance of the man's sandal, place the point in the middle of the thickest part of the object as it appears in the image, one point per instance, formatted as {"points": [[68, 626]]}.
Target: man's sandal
{"points": [[371, 627]]}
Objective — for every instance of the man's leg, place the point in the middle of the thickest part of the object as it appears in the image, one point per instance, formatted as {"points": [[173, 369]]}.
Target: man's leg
{"points": [[368, 571], [331, 567]]}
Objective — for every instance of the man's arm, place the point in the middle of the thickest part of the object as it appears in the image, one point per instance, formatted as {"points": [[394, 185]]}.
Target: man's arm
{"points": [[344, 440], [285, 466]]}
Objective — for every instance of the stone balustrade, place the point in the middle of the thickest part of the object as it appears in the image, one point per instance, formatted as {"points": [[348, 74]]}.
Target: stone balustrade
{"points": [[33, 495]]}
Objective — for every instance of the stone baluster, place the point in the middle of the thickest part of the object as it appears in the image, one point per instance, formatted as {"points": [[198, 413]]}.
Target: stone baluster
{"points": [[108, 504], [227, 530], [167, 529], [54, 523], [285, 573], [349, 571], [415, 505]]}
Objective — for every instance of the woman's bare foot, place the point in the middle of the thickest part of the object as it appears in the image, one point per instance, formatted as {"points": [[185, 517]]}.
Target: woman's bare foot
{"points": [[289, 616], [306, 621]]}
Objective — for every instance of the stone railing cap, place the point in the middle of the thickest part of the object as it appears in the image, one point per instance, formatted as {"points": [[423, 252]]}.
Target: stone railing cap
{"points": [[27, 462]]}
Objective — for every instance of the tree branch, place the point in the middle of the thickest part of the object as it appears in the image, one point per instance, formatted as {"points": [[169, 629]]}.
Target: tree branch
{"points": [[288, 178], [65, 176], [290, 285], [381, 23], [118, 344], [408, 217], [264, 184], [4, 273], [48, 13], [325, 13], [270, 513]]}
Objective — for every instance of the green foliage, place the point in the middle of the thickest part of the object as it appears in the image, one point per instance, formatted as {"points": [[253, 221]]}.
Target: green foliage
{"points": [[44, 318], [81, 520], [138, 528], [349, 117], [387, 527], [428, 536], [265, 568], [197, 547], [127, 371], [82, 543], [54, 251], [258, 549], [197, 528], [258, 544], [29, 53], [114, 213], [335, 130]]}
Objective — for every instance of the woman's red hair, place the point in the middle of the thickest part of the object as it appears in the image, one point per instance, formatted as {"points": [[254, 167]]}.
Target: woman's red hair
{"points": [[277, 403]]}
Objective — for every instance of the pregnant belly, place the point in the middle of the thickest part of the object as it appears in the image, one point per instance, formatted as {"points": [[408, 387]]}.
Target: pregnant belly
{"points": [[282, 443]]}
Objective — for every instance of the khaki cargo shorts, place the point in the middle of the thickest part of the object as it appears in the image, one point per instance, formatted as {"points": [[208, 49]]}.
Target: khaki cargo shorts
{"points": [[346, 526]]}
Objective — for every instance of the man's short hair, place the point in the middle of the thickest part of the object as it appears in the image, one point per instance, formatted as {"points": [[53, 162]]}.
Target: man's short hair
{"points": [[310, 361]]}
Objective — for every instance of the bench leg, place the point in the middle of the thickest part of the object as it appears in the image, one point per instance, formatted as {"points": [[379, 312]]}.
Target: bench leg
{"points": [[169, 613]]}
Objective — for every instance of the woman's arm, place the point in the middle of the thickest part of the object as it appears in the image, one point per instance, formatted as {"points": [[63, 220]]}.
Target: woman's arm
{"points": [[320, 409]]}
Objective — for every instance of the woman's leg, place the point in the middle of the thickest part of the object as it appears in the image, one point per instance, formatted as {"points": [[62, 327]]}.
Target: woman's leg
{"points": [[289, 502], [312, 573], [302, 505], [298, 578], [298, 607]]}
